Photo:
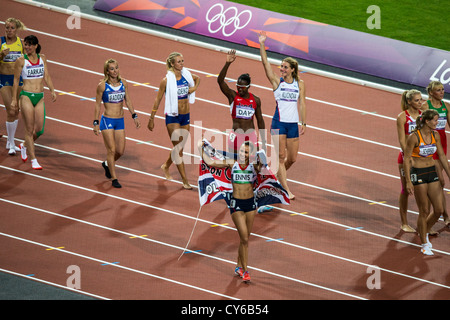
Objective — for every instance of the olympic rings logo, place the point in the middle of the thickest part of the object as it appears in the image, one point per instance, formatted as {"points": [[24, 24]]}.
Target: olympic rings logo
{"points": [[232, 23]]}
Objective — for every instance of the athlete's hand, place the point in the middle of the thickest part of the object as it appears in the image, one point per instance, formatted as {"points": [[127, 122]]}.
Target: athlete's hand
{"points": [[231, 56], [151, 124], [5, 52], [302, 130], [262, 37], [137, 123], [410, 188]]}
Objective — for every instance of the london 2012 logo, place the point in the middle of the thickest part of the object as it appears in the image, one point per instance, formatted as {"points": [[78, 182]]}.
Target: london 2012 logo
{"points": [[227, 20]]}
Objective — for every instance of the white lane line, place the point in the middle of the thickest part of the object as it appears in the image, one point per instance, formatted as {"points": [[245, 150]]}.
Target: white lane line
{"points": [[132, 55], [213, 223], [174, 246], [219, 104], [120, 266], [220, 132], [194, 155], [54, 284]]}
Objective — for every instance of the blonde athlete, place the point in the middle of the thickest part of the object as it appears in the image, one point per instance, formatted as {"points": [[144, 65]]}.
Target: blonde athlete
{"points": [[11, 48], [179, 88], [112, 91]]}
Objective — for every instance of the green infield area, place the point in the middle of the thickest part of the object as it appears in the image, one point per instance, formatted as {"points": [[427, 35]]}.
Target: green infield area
{"points": [[421, 22]]}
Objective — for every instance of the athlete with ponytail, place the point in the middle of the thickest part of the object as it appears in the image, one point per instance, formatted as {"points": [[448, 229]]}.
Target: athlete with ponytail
{"points": [[33, 69], [290, 111], [411, 104], [422, 179], [179, 88], [113, 92], [11, 48]]}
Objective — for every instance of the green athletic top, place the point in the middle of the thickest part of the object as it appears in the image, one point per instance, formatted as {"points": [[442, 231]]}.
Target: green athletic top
{"points": [[442, 110]]}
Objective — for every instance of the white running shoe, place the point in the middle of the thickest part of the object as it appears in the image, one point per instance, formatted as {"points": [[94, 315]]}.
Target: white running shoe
{"points": [[426, 249], [12, 150], [23, 152], [35, 165]]}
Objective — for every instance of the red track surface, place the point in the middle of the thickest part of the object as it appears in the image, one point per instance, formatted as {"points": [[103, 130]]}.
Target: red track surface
{"points": [[345, 217]]}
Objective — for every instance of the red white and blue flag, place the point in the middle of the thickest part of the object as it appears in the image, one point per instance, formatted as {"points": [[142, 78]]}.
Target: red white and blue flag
{"points": [[215, 184]]}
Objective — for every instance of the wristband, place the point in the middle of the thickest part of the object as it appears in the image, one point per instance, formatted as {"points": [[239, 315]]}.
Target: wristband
{"points": [[134, 115], [95, 122]]}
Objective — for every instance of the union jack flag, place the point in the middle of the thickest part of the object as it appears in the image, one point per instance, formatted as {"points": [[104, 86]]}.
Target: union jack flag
{"points": [[215, 183]]}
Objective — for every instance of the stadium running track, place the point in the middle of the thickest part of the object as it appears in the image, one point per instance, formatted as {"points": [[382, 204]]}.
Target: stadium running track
{"points": [[126, 242]]}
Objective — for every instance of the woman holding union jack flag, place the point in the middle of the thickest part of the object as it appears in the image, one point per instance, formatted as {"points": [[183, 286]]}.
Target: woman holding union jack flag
{"points": [[242, 203]]}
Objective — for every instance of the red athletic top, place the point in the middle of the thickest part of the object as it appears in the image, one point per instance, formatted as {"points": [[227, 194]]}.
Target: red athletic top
{"points": [[410, 123], [242, 108]]}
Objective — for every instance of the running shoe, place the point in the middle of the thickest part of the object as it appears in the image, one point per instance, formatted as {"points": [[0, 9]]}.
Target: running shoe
{"points": [[116, 184], [426, 249], [23, 152], [239, 271], [35, 165], [264, 209], [246, 277], [13, 149], [107, 173]]}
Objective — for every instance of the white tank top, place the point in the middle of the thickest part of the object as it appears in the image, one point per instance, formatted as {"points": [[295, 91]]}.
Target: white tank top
{"points": [[243, 175], [32, 71], [286, 96]]}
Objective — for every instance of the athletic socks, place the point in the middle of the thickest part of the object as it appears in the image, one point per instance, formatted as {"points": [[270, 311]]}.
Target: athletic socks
{"points": [[11, 131], [428, 242]]}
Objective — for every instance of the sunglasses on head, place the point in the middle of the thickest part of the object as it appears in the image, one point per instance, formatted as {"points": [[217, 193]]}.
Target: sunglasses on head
{"points": [[242, 86]]}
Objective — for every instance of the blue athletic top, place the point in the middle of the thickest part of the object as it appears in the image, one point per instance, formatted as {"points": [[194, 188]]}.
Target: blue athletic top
{"points": [[113, 94], [182, 88]]}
